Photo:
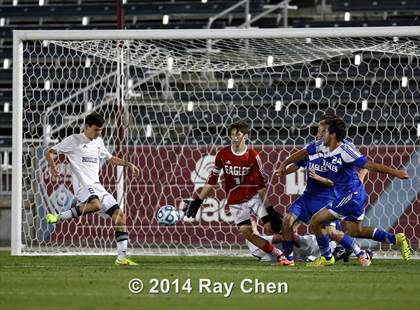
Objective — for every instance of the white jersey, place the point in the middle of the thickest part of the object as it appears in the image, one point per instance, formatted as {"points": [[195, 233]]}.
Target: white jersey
{"points": [[84, 157], [307, 248]]}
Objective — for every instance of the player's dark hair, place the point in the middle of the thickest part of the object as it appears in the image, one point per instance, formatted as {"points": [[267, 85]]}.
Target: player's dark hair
{"points": [[94, 119], [329, 114], [240, 126], [337, 126]]}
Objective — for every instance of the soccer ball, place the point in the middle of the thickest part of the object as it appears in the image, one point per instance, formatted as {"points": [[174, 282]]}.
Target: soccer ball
{"points": [[168, 215]]}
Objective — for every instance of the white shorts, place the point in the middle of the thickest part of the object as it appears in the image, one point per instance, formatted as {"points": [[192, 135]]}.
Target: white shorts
{"points": [[106, 199], [242, 212]]}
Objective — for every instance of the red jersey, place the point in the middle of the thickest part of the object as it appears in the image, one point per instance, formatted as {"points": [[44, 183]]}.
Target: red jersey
{"points": [[243, 174]]}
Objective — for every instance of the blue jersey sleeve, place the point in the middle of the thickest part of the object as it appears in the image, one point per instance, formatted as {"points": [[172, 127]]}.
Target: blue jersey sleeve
{"points": [[311, 148], [361, 161], [351, 155], [303, 163]]}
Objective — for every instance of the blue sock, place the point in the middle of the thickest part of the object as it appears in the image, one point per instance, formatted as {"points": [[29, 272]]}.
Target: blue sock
{"points": [[288, 249], [324, 245], [348, 243], [383, 236]]}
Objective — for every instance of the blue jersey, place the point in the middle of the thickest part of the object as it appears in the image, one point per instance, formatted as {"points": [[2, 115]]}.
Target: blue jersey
{"points": [[341, 165], [314, 188]]}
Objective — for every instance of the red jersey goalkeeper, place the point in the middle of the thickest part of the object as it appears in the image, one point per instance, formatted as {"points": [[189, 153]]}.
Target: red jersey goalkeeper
{"points": [[245, 189]]}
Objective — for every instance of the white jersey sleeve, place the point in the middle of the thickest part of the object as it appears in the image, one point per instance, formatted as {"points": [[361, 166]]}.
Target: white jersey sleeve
{"points": [[103, 152], [66, 146]]}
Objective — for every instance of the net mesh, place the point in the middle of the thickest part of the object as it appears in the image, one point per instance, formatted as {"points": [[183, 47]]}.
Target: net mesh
{"points": [[174, 100]]}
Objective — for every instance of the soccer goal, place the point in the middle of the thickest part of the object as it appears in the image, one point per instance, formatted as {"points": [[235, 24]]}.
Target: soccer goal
{"points": [[168, 98]]}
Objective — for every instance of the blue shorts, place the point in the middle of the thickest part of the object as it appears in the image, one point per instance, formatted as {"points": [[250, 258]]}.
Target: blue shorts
{"points": [[350, 207], [305, 207]]}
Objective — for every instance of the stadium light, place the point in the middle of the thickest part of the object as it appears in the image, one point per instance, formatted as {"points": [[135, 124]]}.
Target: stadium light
{"points": [[85, 20], [124, 1], [230, 83], [347, 16], [190, 106], [6, 107], [270, 60], [41, 2], [165, 19], [404, 81], [88, 106], [279, 105], [203, 1], [129, 86], [2, 22], [130, 83], [418, 130], [364, 105], [88, 62], [6, 63], [318, 82], [45, 43], [308, 40], [148, 131], [357, 59], [47, 84], [170, 63], [15, 2]]}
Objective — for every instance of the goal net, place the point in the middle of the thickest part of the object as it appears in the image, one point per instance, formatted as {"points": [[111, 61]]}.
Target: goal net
{"points": [[168, 99]]}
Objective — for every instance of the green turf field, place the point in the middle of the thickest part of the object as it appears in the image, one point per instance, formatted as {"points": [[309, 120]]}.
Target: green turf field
{"points": [[91, 282]]}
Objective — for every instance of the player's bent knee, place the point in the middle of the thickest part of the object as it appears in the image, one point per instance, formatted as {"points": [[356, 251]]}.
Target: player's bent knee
{"points": [[94, 205], [288, 221], [267, 229], [115, 211], [245, 228], [315, 223]]}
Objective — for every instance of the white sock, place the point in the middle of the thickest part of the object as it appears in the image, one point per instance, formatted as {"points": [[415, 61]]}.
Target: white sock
{"points": [[276, 252], [122, 249], [357, 250], [66, 215]]}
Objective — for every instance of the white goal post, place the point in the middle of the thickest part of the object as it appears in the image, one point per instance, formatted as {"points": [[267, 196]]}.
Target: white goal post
{"points": [[167, 97]]}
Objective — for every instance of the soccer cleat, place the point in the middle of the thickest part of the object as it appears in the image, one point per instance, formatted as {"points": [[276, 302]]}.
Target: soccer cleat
{"points": [[283, 261], [370, 253], [365, 259], [338, 253], [321, 261], [346, 255], [341, 253], [53, 218], [403, 245], [125, 262]]}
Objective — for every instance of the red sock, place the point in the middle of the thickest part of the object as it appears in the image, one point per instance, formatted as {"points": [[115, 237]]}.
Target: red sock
{"points": [[270, 249]]}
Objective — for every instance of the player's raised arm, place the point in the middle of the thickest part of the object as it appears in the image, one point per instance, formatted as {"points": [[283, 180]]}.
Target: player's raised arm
{"points": [[362, 173], [295, 157], [121, 162], [64, 147], [401, 174], [49, 156]]}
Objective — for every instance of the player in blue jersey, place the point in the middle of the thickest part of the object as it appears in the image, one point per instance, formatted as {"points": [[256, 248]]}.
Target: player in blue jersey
{"points": [[340, 159], [314, 198], [318, 194]]}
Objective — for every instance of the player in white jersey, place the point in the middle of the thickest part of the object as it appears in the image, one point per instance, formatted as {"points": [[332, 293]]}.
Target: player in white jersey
{"points": [[306, 248], [84, 152]]}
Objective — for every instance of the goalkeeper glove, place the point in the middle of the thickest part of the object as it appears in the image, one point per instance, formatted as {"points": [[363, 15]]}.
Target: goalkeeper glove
{"points": [[276, 219], [193, 206]]}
